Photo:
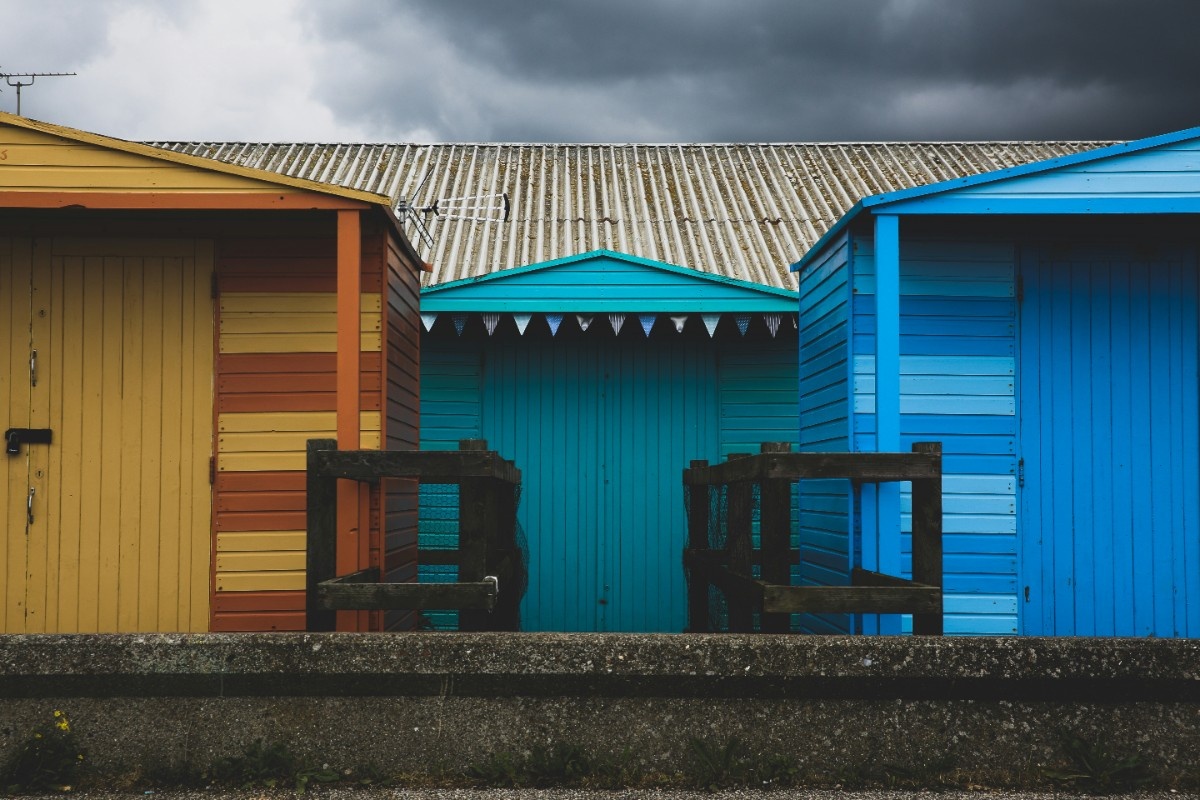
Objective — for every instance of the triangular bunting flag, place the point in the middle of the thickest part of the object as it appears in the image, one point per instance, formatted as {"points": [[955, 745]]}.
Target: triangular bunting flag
{"points": [[710, 322], [647, 321], [460, 320], [743, 322], [554, 320], [795, 322], [522, 321], [490, 320], [616, 320], [584, 320], [772, 321], [679, 321], [428, 318]]}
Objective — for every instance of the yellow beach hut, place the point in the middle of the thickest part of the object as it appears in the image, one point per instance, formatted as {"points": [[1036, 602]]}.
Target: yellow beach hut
{"points": [[172, 330]]}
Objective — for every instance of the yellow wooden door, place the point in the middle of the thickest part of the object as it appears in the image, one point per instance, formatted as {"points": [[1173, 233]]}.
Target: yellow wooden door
{"points": [[15, 350], [120, 531]]}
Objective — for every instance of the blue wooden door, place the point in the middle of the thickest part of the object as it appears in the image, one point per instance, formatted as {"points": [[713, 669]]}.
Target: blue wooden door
{"points": [[1110, 512], [602, 431]]}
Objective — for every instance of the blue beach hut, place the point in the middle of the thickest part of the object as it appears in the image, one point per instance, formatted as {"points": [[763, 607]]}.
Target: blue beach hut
{"points": [[1042, 322], [601, 375]]}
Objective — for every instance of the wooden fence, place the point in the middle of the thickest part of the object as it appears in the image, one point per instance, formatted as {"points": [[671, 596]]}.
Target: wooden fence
{"points": [[775, 471], [491, 571]]}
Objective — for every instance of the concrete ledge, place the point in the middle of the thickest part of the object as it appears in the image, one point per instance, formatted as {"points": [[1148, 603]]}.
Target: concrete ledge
{"points": [[411, 701]]}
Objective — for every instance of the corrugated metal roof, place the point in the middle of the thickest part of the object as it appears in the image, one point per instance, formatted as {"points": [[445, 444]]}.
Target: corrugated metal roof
{"points": [[745, 211]]}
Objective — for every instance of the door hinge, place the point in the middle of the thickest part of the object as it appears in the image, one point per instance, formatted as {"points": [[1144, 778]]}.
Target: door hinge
{"points": [[1020, 473], [212, 470]]}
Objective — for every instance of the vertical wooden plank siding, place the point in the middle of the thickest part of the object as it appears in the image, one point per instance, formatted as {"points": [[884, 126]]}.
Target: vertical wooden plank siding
{"points": [[600, 429], [118, 542], [401, 420], [276, 387], [15, 329], [957, 371], [1109, 430], [824, 507]]}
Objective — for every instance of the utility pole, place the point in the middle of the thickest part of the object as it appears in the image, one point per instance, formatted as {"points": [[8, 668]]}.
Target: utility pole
{"points": [[18, 80]]}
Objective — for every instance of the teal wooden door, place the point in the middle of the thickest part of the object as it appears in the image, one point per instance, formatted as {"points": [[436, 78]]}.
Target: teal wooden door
{"points": [[602, 431]]}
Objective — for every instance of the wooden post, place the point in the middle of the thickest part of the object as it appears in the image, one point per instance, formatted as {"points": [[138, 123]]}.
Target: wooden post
{"points": [[739, 499], [321, 538], [775, 534], [476, 517], [698, 520], [352, 526], [504, 558], [927, 538]]}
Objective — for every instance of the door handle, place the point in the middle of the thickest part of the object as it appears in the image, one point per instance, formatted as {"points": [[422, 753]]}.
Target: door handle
{"points": [[29, 504], [33, 368]]}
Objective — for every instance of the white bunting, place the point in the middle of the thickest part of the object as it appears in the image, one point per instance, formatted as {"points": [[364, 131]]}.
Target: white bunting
{"points": [[710, 322], [460, 320], [616, 320], [772, 321], [584, 320], [522, 321], [647, 321], [490, 320], [743, 322], [679, 322], [427, 319], [795, 322], [554, 320]]}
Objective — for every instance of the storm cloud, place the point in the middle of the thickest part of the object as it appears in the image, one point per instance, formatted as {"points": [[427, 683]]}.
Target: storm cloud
{"points": [[615, 71]]}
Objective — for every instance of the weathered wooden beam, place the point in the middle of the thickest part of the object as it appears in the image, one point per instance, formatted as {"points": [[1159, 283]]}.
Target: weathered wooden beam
{"points": [[927, 537], [866, 577], [479, 596], [321, 540], [427, 466], [775, 534], [737, 587], [739, 498], [851, 599], [863, 467], [697, 587]]}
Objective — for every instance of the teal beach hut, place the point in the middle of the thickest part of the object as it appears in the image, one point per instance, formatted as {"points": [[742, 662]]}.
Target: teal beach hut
{"points": [[602, 374], [1042, 322]]}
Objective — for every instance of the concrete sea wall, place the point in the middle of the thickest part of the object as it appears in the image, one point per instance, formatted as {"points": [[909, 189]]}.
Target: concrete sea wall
{"points": [[416, 702]]}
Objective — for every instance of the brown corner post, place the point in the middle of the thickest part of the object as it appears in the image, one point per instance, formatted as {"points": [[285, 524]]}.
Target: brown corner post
{"points": [[321, 538], [927, 537], [697, 585], [775, 536], [504, 559], [476, 518], [738, 549]]}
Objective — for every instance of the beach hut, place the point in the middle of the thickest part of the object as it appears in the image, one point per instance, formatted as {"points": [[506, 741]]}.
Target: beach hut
{"points": [[173, 330], [549, 263], [602, 374], [1042, 323]]}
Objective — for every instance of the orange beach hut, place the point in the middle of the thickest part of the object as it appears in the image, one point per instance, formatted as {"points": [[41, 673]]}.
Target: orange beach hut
{"points": [[172, 331]]}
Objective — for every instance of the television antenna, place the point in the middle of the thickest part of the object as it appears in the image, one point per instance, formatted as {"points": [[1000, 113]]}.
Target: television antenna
{"points": [[16, 79], [469, 208]]}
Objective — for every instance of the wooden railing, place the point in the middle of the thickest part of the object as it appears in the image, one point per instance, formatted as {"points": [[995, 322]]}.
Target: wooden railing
{"points": [[775, 470], [490, 568]]}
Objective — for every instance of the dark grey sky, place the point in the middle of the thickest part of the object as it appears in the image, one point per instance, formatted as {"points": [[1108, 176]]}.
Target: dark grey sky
{"points": [[614, 71]]}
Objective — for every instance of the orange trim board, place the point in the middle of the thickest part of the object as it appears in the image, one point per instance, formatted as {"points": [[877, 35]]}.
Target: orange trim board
{"points": [[177, 200]]}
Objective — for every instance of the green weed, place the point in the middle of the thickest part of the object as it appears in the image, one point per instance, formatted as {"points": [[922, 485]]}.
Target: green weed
{"points": [[50, 759], [1093, 768]]}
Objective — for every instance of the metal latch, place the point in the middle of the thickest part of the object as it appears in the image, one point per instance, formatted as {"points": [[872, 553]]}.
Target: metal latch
{"points": [[15, 437]]}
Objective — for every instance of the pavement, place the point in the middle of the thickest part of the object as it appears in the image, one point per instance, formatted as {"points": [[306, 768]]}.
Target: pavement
{"points": [[619, 794]]}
